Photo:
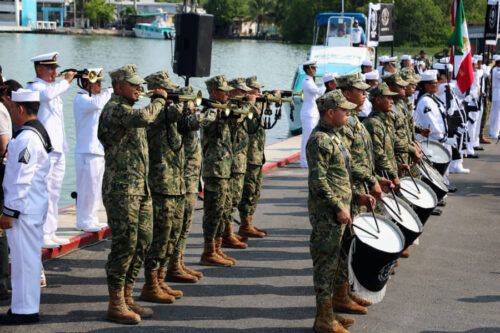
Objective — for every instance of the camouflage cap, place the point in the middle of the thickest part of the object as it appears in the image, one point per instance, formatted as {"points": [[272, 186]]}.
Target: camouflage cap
{"points": [[185, 90], [381, 90], [218, 82], [352, 80], [408, 74], [126, 73], [395, 79], [240, 83], [332, 100], [160, 79], [253, 83]]}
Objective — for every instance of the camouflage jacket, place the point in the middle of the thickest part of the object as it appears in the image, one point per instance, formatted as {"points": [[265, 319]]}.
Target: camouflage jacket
{"points": [[398, 114], [239, 137], [256, 139], [217, 148], [380, 125], [122, 133], [166, 153], [329, 179], [192, 151]]}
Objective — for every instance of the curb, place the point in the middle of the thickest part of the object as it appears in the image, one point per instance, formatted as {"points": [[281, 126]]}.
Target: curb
{"points": [[93, 237]]}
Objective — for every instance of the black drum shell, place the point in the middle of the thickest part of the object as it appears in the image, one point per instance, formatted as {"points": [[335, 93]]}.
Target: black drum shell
{"points": [[441, 167], [408, 234], [423, 213], [440, 192]]}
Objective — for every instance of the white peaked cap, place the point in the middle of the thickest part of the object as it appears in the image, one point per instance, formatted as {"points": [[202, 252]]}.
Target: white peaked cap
{"points": [[373, 75], [367, 62], [429, 75], [329, 77], [46, 59], [443, 66], [388, 59], [309, 63], [25, 95]]}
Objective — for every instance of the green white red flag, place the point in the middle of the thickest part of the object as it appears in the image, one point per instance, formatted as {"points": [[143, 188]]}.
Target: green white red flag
{"points": [[461, 53]]}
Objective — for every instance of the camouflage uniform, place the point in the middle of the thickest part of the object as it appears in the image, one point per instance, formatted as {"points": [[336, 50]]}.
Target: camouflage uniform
{"points": [[217, 151], [380, 125], [330, 191], [166, 176], [126, 193]]}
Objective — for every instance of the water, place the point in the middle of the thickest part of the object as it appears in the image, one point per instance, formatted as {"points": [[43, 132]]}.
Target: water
{"points": [[273, 63]]}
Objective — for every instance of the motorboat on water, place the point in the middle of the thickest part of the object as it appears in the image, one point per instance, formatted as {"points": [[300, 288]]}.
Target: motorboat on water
{"points": [[334, 52], [158, 29]]}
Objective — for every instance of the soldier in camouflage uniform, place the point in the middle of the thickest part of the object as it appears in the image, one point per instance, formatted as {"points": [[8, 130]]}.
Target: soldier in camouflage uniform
{"points": [[329, 202], [217, 151], [166, 177], [380, 125], [253, 175], [239, 137], [126, 194]]}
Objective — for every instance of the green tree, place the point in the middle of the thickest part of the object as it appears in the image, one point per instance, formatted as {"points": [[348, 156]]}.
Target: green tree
{"points": [[99, 12], [128, 11], [224, 12], [261, 11]]}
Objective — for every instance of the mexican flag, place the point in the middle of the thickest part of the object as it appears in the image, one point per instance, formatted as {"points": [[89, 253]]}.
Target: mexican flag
{"points": [[461, 54]]}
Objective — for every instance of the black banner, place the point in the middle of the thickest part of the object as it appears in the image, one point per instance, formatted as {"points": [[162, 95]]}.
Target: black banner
{"points": [[386, 19], [491, 23], [373, 24]]}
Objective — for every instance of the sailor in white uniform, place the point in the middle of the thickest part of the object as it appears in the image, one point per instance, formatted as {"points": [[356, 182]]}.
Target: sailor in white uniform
{"points": [[89, 153], [330, 81], [309, 114], [406, 61], [495, 98], [51, 116], [25, 207], [358, 36], [388, 65], [371, 78]]}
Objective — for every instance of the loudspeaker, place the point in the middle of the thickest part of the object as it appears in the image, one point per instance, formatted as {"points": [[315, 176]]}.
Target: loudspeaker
{"points": [[193, 44]]}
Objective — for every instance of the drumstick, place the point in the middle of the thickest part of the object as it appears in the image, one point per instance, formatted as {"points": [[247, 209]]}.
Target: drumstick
{"points": [[428, 127], [371, 208], [369, 233], [413, 194], [386, 175], [411, 176], [392, 210]]}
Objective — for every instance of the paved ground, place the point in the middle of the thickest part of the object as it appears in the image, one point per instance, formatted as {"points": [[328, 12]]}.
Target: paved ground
{"points": [[451, 283]]}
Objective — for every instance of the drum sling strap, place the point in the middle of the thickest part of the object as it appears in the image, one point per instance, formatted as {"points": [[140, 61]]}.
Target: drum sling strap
{"points": [[37, 127]]}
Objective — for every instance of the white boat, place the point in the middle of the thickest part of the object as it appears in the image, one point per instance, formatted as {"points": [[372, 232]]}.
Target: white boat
{"points": [[332, 49], [158, 29]]}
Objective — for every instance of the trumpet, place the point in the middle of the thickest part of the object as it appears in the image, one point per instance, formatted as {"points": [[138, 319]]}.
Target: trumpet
{"points": [[176, 97], [210, 103], [241, 112], [91, 75], [286, 93]]}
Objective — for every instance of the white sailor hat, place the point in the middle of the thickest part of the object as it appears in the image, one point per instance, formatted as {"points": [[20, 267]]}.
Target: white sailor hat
{"points": [[25, 95], [373, 75], [329, 77], [479, 57], [388, 59], [383, 59], [49, 59], [444, 60], [310, 63], [496, 57], [474, 60], [429, 75], [443, 66], [367, 62], [406, 57]]}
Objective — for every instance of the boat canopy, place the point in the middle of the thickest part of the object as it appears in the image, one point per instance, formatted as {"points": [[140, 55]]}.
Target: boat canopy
{"points": [[322, 18]]}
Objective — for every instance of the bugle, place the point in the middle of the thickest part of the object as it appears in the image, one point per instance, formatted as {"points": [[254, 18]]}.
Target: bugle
{"points": [[90, 75], [285, 93], [176, 97]]}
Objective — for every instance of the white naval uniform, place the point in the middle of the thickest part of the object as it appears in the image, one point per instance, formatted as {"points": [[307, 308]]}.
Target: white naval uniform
{"points": [[89, 156], [51, 116], [430, 113], [26, 199], [495, 103], [309, 114], [366, 109], [474, 123]]}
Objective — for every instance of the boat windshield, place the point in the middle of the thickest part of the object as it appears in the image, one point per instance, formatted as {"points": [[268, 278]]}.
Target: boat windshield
{"points": [[338, 31]]}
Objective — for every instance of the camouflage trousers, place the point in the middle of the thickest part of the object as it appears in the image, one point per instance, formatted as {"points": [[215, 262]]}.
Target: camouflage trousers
{"points": [[131, 225], [325, 246], [216, 201], [168, 211], [236, 188], [4, 260], [251, 190], [485, 116], [187, 221]]}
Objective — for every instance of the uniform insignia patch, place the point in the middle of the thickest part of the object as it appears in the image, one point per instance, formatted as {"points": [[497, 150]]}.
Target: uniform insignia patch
{"points": [[427, 109], [24, 156]]}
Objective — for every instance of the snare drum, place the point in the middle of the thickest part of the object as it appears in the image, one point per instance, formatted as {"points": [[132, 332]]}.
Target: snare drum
{"points": [[373, 255], [438, 155], [404, 216], [433, 178], [420, 196]]}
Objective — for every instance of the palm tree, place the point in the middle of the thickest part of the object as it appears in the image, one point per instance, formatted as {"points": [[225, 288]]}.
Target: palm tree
{"points": [[261, 11]]}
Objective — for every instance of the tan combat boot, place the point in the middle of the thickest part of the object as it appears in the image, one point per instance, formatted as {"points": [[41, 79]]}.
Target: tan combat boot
{"points": [[210, 258], [151, 291], [144, 312], [484, 140], [165, 287], [248, 230], [118, 311], [191, 271], [341, 302], [231, 241], [175, 273], [324, 321], [218, 250], [406, 253], [344, 321], [359, 300]]}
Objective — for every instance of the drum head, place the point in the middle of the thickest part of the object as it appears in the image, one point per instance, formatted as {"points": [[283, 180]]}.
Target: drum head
{"points": [[390, 239], [429, 172], [405, 216], [436, 152], [423, 196]]}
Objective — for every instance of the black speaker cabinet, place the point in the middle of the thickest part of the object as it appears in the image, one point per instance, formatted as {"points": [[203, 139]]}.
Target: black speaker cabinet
{"points": [[193, 44]]}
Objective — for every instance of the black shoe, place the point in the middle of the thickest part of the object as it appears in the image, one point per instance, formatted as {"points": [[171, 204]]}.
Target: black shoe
{"points": [[479, 148], [472, 156], [19, 319], [4, 294], [437, 212], [441, 203], [452, 189]]}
